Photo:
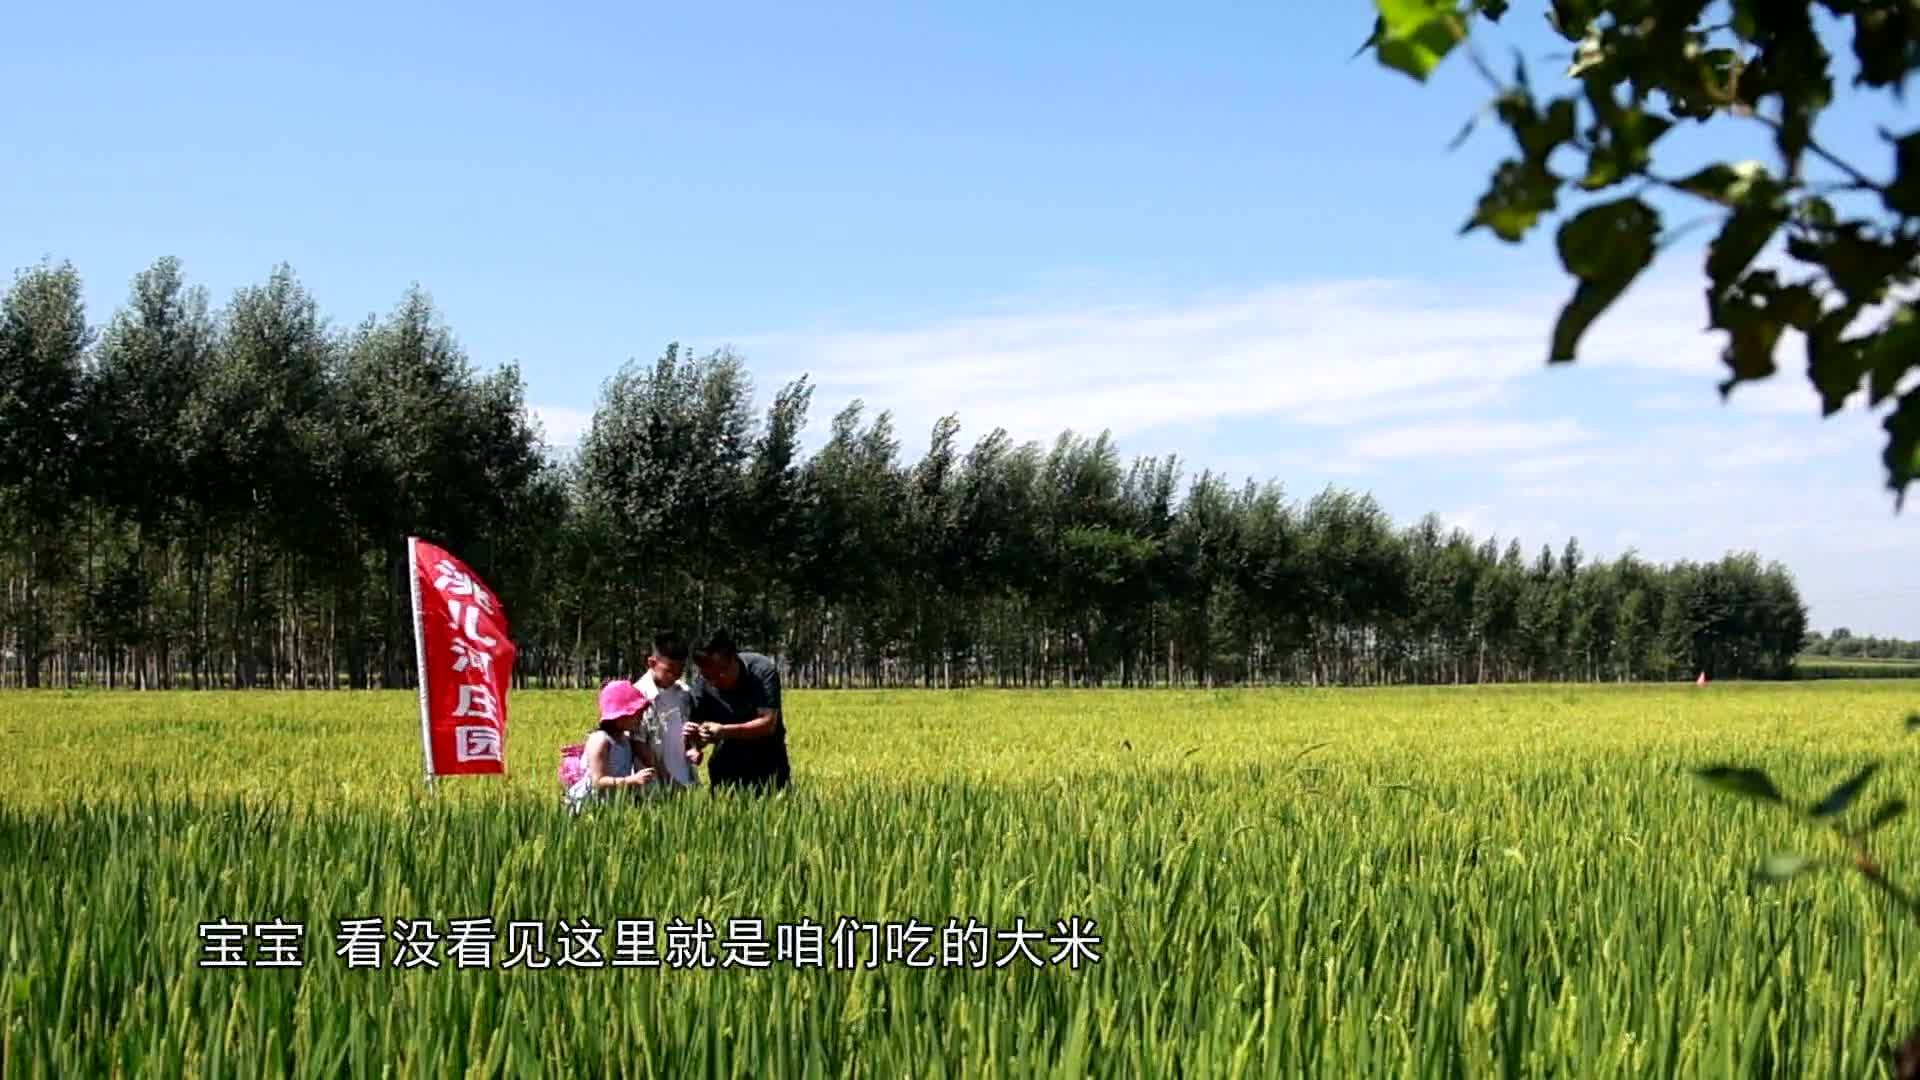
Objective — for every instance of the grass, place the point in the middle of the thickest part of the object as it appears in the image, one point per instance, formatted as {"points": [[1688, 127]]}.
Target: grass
{"points": [[1420, 882]]}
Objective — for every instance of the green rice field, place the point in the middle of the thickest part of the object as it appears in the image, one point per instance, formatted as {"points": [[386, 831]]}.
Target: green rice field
{"points": [[1425, 882]]}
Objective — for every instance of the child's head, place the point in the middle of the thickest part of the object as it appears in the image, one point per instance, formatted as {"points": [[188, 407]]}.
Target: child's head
{"points": [[621, 704], [669, 659]]}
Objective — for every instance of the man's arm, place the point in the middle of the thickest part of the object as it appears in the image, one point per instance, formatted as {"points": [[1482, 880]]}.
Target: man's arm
{"points": [[761, 726]]}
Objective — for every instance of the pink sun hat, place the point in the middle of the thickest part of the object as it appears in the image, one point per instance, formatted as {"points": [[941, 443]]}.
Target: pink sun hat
{"points": [[621, 698]]}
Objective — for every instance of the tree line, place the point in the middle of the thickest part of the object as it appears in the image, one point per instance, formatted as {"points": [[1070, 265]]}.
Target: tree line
{"points": [[1844, 645], [201, 497]]}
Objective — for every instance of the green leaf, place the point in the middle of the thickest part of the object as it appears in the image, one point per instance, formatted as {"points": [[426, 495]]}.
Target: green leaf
{"points": [[1902, 455], [1571, 19], [1778, 868], [1745, 232], [1836, 364], [1588, 55], [1913, 722], [1903, 195], [1890, 353], [1540, 134], [1736, 304], [1862, 265], [1631, 133], [1746, 22], [1609, 241], [1309, 750], [1603, 169], [1519, 194], [1814, 212], [1590, 300], [1417, 34], [1601, 98], [1842, 796], [1373, 39], [1606, 247], [1472, 122], [1466, 130], [1729, 185], [1754, 312], [1793, 136], [1885, 812], [1753, 325], [1710, 83], [1884, 41], [1752, 783]]}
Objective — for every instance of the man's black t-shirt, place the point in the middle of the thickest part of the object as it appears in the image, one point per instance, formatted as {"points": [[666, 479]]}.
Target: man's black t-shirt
{"points": [[744, 761]]}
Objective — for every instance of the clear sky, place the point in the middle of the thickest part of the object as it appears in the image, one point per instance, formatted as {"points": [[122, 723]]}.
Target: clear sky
{"points": [[1203, 226]]}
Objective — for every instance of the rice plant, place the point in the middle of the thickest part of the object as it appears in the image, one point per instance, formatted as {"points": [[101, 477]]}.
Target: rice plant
{"points": [[1421, 882]]}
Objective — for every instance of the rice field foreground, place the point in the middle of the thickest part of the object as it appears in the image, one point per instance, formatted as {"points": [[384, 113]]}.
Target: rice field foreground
{"points": [[1430, 882]]}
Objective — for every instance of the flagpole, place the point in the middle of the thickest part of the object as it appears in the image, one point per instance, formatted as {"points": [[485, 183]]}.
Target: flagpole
{"points": [[420, 658]]}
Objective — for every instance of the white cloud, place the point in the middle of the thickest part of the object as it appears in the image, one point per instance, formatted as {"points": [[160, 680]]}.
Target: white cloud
{"points": [[1464, 399], [563, 424], [1468, 438], [1558, 464], [1488, 520], [1785, 393], [1327, 355], [1669, 402], [1471, 519], [1770, 446], [1323, 355], [1429, 396], [1800, 490]]}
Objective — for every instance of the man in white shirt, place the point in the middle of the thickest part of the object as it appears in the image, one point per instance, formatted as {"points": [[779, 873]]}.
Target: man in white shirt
{"points": [[665, 686]]}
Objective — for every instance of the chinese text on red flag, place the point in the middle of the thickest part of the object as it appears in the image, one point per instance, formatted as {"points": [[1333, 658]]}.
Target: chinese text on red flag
{"points": [[466, 664]]}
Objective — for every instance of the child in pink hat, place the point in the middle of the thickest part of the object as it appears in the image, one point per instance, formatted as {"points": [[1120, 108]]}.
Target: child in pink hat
{"points": [[615, 762]]}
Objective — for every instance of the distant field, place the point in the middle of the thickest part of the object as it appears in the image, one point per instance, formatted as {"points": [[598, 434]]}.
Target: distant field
{"points": [[1436, 881], [1829, 667]]}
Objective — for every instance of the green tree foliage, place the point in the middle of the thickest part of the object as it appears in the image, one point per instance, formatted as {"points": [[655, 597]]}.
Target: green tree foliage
{"points": [[1849, 231], [221, 496], [43, 338], [1842, 645]]}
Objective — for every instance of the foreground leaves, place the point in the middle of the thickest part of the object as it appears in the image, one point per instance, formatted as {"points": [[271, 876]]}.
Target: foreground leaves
{"points": [[1752, 783], [1606, 247], [1841, 797], [1632, 79], [1778, 868]]}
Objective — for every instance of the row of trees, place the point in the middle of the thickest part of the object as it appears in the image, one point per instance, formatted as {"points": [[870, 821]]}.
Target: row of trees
{"points": [[1842, 644], [200, 497]]}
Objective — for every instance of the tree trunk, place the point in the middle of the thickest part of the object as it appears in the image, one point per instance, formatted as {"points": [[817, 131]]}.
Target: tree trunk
{"points": [[30, 615], [389, 639]]}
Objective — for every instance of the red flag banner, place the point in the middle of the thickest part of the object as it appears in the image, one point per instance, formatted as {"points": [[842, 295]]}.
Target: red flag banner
{"points": [[466, 664]]}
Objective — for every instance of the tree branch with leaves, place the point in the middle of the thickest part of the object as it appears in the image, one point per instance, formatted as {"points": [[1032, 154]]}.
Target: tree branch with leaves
{"points": [[1850, 233]]}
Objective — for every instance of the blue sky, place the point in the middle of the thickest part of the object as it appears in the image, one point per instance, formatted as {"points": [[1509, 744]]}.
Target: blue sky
{"points": [[1206, 228]]}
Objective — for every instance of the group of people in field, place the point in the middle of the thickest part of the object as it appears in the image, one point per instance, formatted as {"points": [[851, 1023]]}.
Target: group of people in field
{"points": [[656, 731]]}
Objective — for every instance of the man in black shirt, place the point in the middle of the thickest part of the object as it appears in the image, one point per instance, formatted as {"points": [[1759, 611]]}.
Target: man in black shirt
{"points": [[736, 710]]}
